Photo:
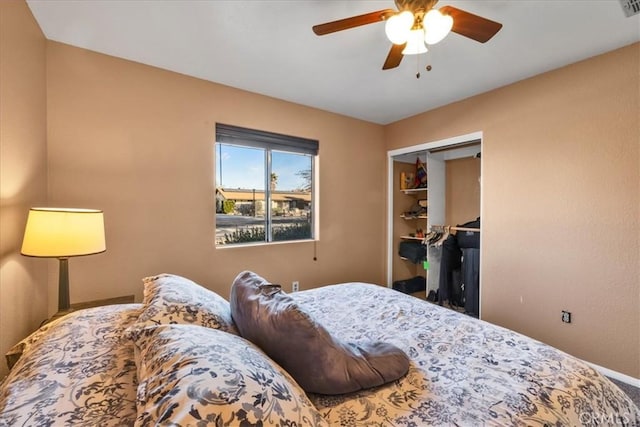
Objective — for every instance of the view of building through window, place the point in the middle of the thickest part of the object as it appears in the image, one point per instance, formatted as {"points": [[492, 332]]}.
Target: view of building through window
{"points": [[262, 194]]}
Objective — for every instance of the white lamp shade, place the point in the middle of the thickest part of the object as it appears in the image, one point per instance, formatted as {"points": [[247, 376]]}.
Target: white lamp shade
{"points": [[398, 26], [63, 232], [436, 26], [415, 43]]}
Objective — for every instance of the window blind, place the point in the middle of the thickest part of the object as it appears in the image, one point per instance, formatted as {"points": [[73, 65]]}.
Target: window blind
{"points": [[235, 135]]}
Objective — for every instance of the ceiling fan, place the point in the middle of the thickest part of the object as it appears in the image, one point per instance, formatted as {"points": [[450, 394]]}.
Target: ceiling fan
{"points": [[415, 25]]}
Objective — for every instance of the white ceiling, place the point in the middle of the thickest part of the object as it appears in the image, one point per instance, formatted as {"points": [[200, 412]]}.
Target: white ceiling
{"points": [[267, 46]]}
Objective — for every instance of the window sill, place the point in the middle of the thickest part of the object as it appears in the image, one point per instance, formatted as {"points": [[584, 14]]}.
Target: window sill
{"points": [[263, 244]]}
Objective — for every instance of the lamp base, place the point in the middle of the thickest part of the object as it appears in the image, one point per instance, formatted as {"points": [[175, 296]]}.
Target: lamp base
{"points": [[63, 285]]}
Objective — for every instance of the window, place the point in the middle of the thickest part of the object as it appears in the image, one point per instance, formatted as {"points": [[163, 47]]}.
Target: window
{"points": [[264, 186]]}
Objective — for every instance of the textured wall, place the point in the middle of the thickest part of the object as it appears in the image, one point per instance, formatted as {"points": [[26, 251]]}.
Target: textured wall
{"points": [[138, 142], [23, 171], [560, 203]]}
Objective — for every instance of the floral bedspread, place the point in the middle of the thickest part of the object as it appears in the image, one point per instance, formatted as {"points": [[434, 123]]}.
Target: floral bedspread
{"points": [[79, 371], [464, 372]]}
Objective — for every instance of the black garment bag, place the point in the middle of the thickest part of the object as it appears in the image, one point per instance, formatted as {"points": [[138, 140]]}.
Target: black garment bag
{"points": [[449, 281], [469, 239]]}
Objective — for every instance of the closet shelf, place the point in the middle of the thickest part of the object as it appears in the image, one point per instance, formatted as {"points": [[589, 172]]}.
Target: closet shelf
{"points": [[410, 217], [449, 228], [413, 190]]}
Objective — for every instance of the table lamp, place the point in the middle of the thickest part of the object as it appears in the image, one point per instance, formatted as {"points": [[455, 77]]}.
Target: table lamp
{"points": [[63, 233]]}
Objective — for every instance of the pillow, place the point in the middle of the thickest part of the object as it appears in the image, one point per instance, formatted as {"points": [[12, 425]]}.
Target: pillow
{"points": [[169, 298], [76, 370], [189, 375], [320, 363], [15, 353]]}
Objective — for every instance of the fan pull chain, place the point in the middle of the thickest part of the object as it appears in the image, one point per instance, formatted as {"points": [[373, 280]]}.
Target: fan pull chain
{"points": [[428, 67], [417, 66]]}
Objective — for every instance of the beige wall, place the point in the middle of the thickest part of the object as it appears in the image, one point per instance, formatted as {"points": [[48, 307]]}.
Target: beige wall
{"points": [[561, 203], [23, 171], [560, 192], [462, 190], [138, 142]]}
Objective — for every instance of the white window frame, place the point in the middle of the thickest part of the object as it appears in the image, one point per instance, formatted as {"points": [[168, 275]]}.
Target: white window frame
{"points": [[270, 141]]}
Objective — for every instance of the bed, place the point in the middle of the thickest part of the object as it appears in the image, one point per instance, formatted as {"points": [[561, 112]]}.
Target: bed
{"points": [[178, 359]]}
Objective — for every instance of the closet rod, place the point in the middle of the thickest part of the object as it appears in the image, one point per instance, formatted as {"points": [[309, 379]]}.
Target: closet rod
{"points": [[451, 228]]}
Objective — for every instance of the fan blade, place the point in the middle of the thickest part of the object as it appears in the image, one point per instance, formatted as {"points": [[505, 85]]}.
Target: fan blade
{"points": [[469, 25], [354, 21], [394, 57]]}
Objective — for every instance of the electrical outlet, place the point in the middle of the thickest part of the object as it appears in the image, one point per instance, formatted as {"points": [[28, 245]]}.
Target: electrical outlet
{"points": [[566, 316], [295, 286]]}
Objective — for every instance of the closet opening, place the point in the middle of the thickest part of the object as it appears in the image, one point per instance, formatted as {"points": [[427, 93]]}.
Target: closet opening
{"points": [[434, 232]]}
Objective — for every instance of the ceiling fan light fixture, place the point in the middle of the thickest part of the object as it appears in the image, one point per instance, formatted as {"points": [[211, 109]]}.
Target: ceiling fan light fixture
{"points": [[415, 43], [436, 26], [398, 27]]}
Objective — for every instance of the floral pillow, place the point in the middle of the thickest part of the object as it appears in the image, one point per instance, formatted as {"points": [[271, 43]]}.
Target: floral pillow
{"points": [[189, 375], [22, 347], [75, 370], [172, 299]]}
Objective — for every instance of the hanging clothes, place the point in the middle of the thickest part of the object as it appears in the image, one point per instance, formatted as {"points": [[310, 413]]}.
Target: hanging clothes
{"points": [[471, 280], [469, 239], [435, 238], [450, 283], [469, 243]]}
